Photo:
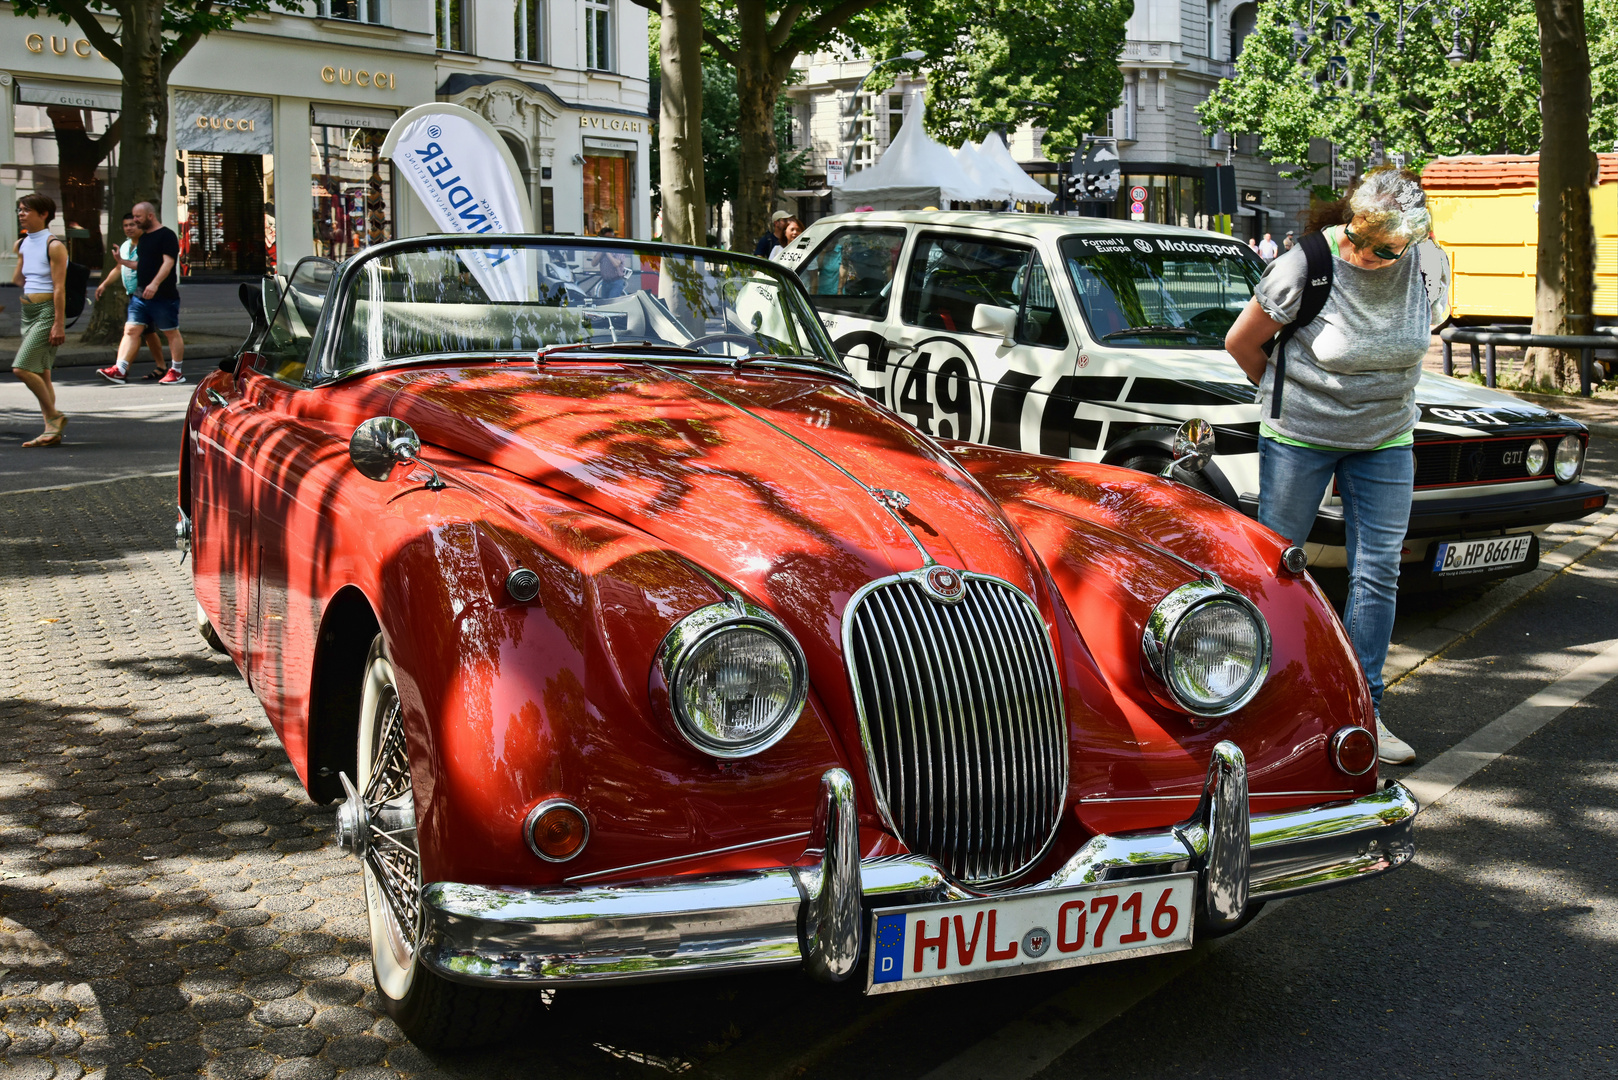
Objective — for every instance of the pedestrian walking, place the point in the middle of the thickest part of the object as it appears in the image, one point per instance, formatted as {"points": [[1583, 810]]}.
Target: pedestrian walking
{"points": [[1252, 244], [1288, 242], [156, 302], [42, 274], [771, 240], [126, 269], [1338, 394], [1267, 249]]}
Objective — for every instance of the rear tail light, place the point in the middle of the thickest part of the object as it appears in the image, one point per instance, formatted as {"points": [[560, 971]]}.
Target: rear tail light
{"points": [[556, 830], [1353, 750]]}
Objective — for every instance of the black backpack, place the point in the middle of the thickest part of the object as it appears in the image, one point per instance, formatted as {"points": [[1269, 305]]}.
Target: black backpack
{"points": [[1317, 287]]}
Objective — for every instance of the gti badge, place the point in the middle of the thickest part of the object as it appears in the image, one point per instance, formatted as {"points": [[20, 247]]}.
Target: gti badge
{"points": [[943, 584]]}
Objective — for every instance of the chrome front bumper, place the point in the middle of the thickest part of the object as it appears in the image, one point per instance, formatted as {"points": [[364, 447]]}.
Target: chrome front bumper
{"points": [[814, 915]]}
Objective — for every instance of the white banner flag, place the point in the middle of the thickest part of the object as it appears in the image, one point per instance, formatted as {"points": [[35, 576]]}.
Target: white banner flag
{"points": [[464, 174]]}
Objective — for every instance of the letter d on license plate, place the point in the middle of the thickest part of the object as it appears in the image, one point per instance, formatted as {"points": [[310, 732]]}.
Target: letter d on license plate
{"points": [[1017, 933]]}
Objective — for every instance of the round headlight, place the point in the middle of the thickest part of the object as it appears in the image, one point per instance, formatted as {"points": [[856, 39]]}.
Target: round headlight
{"points": [[736, 679], [1536, 457], [1210, 647], [1569, 457]]}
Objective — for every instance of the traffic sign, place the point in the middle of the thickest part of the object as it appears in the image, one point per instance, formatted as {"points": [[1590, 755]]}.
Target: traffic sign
{"points": [[1138, 195], [1137, 207]]}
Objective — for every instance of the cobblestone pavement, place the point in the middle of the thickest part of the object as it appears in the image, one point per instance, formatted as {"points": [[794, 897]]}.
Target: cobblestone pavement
{"points": [[170, 901]]}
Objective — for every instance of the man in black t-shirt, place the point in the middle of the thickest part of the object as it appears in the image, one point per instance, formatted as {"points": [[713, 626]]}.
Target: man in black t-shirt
{"points": [[155, 304]]}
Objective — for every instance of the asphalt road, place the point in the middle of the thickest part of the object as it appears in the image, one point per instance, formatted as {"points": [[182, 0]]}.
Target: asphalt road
{"points": [[170, 904]]}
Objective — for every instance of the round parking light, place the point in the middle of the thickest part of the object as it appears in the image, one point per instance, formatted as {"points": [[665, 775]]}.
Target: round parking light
{"points": [[1538, 454], [1353, 750], [556, 830], [1569, 459]]}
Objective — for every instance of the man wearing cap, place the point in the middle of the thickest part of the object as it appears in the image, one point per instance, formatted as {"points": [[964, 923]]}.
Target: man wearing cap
{"points": [[771, 240]]}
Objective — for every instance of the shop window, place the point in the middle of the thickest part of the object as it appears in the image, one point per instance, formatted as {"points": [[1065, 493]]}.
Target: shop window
{"points": [[606, 192], [227, 214], [450, 19], [365, 11], [353, 190], [530, 30], [598, 35], [69, 154], [547, 211]]}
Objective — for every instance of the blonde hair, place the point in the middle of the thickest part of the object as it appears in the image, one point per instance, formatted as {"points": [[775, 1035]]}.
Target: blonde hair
{"points": [[1394, 207]]}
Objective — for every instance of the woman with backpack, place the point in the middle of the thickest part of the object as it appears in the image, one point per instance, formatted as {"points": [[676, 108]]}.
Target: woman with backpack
{"points": [[42, 274], [1337, 394]]}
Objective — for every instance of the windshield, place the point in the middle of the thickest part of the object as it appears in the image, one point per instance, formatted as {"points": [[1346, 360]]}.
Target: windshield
{"points": [[1160, 291], [460, 296]]}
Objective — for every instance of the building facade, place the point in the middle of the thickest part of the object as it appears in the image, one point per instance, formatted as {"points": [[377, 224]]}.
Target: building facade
{"points": [[276, 125], [1175, 52]]}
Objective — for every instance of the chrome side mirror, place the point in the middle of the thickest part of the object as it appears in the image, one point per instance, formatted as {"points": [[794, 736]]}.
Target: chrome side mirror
{"points": [[382, 444], [1000, 321], [1193, 445]]}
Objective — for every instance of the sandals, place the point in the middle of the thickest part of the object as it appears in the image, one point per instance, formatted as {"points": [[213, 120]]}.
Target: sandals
{"points": [[52, 435], [154, 374]]}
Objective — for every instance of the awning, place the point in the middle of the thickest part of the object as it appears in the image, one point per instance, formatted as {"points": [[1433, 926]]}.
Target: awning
{"points": [[806, 193], [1260, 208], [108, 96]]}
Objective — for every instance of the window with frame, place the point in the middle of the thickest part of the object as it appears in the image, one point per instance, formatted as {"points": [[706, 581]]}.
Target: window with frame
{"points": [[896, 115], [365, 11], [1212, 29], [598, 35], [529, 24], [852, 272], [450, 20], [951, 275]]}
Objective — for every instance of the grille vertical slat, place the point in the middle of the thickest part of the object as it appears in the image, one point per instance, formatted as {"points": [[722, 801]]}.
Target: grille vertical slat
{"points": [[963, 720]]}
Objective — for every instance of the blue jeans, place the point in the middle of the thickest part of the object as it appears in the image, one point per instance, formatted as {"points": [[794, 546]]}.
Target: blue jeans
{"points": [[1376, 487]]}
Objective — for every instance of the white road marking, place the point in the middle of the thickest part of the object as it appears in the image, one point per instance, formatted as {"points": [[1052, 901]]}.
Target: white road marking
{"points": [[1459, 763]]}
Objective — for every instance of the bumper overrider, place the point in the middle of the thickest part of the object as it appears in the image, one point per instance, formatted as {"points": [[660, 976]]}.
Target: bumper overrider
{"points": [[815, 915]]}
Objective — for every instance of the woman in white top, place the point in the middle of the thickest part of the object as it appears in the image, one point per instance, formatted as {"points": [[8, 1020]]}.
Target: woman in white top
{"points": [[42, 273]]}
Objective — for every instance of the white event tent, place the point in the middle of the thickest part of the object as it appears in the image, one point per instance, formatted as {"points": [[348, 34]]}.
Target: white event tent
{"points": [[985, 175], [1023, 188], [917, 171]]}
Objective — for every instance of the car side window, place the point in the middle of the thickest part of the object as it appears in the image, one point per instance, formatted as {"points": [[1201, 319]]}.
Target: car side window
{"points": [[284, 353], [951, 275], [852, 272]]}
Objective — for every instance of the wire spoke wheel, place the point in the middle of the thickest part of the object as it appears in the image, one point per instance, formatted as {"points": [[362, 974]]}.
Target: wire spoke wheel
{"points": [[392, 857]]}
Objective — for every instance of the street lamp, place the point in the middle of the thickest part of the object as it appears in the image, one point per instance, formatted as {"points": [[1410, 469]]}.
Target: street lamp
{"points": [[912, 56]]}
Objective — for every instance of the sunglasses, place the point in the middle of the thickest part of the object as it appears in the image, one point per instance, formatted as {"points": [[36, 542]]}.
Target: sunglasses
{"points": [[1380, 252]]}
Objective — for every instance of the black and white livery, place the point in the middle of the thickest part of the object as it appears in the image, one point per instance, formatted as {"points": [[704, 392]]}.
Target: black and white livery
{"points": [[1093, 339]]}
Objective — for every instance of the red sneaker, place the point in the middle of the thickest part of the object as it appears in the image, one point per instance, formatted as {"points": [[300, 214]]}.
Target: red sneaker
{"points": [[112, 374], [170, 378]]}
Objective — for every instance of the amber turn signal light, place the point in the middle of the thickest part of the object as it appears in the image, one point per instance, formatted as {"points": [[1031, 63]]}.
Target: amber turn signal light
{"points": [[1353, 750], [556, 830]]}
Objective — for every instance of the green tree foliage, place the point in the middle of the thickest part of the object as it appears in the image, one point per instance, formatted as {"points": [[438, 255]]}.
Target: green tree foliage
{"points": [[986, 58], [1419, 104]]}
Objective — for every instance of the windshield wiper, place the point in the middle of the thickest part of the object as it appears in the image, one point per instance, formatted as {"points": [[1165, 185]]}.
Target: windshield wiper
{"points": [[1184, 331], [614, 346], [750, 357]]}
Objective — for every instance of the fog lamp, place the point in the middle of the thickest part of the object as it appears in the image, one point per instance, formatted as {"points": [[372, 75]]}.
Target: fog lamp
{"points": [[1353, 750], [556, 830]]}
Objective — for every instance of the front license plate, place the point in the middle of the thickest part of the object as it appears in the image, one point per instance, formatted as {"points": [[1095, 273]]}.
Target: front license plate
{"points": [[1455, 557], [984, 939]]}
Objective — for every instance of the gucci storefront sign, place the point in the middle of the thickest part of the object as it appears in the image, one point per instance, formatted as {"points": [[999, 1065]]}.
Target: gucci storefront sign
{"points": [[379, 80], [223, 123]]}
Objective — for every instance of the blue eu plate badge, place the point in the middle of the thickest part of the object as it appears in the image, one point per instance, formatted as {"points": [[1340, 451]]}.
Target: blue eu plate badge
{"points": [[889, 946]]}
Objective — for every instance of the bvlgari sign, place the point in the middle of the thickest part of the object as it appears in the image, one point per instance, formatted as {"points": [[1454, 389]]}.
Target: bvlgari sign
{"points": [[223, 123]]}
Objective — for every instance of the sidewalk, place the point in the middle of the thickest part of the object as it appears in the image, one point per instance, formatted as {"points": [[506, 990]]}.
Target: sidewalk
{"points": [[1599, 413], [212, 322]]}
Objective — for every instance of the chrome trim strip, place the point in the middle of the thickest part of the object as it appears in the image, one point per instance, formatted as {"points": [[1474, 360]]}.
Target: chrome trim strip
{"points": [[686, 858], [1191, 795], [672, 928]]}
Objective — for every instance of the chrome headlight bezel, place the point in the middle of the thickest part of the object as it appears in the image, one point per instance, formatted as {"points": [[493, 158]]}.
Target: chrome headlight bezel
{"points": [[702, 626], [1163, 627], [1577, 445]]}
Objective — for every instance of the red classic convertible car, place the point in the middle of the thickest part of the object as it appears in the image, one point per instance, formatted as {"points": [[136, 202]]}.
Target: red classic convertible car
{"points": [[639, 643]]}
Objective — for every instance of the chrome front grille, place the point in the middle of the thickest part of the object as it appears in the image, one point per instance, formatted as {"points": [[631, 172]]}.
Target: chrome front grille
{"points": [[961, 714]]}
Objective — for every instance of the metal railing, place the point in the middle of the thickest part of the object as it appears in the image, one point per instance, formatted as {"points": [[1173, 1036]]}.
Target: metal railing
{"points": [[1490, 337]]}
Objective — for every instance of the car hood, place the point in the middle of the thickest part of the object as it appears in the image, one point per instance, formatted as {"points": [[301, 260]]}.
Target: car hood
{"points": [[763, 479]]}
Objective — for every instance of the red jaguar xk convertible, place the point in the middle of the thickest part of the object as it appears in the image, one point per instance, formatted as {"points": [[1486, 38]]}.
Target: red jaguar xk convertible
{"points": [[639, 643]]}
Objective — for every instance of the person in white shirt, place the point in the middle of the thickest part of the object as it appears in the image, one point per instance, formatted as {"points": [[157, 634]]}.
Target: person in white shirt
{"points": [[126, 265], [1267, 249], [42, 275]]}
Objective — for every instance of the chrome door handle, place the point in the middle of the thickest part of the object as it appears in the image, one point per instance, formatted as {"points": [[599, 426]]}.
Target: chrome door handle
{"points": [[217, 398]]}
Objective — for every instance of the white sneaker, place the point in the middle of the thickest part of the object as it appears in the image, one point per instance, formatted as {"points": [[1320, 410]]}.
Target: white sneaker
{"points": [[1390, 749]]}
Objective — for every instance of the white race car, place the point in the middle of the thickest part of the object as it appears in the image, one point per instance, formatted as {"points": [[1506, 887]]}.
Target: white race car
{"points": [[1093, 339]]}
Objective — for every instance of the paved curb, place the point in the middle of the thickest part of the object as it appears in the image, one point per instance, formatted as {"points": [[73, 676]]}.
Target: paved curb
{"points": [[1426, 644]]}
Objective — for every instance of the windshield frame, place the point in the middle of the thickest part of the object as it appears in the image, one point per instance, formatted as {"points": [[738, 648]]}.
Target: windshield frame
{"points": [[322, 361], [1110, 340]]}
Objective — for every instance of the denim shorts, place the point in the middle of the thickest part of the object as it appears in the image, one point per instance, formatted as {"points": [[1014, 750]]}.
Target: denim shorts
{"points": [[153, 314]]}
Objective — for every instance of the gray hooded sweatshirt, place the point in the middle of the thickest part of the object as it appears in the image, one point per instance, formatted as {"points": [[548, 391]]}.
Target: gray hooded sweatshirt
{"points": [[1351, 373]]}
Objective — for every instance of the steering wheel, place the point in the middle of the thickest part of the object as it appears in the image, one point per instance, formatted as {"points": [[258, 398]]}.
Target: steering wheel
{"points": [[1215, 320], [710, 339]]}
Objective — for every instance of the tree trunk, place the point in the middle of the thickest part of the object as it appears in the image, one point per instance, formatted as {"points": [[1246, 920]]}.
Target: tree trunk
{"points": [[679, 128], [1565, 283], [759, 75]]}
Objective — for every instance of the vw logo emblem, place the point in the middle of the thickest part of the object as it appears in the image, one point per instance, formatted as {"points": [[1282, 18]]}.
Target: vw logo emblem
{"points": [[1143, 245], [943, 584], [1036, 941], [434, 131]]}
